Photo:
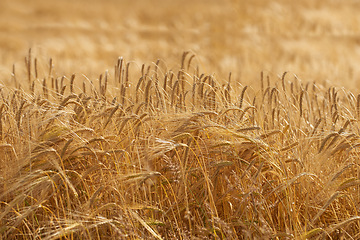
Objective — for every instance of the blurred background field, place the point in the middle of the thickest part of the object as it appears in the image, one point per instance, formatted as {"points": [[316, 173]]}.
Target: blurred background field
{"points": [[316, 40]]}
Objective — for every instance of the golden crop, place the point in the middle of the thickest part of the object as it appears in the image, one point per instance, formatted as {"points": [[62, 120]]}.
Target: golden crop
{"points": [[178, 148]]}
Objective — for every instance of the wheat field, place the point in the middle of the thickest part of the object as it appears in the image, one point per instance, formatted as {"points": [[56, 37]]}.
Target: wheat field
{"points": [[179, 120]]}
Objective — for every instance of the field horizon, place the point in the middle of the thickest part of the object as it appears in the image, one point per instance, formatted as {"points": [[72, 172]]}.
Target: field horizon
{"points": [[316, 41]]}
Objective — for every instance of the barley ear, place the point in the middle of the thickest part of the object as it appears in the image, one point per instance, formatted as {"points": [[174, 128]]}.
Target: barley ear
{"points": [[72, 83], [242, 96]]}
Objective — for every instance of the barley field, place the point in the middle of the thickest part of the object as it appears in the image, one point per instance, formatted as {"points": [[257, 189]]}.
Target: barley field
{"points": [[178, 119]]}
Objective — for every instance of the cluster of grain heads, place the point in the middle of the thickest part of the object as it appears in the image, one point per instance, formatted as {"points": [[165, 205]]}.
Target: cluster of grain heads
{"points": [[174, 154]]}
